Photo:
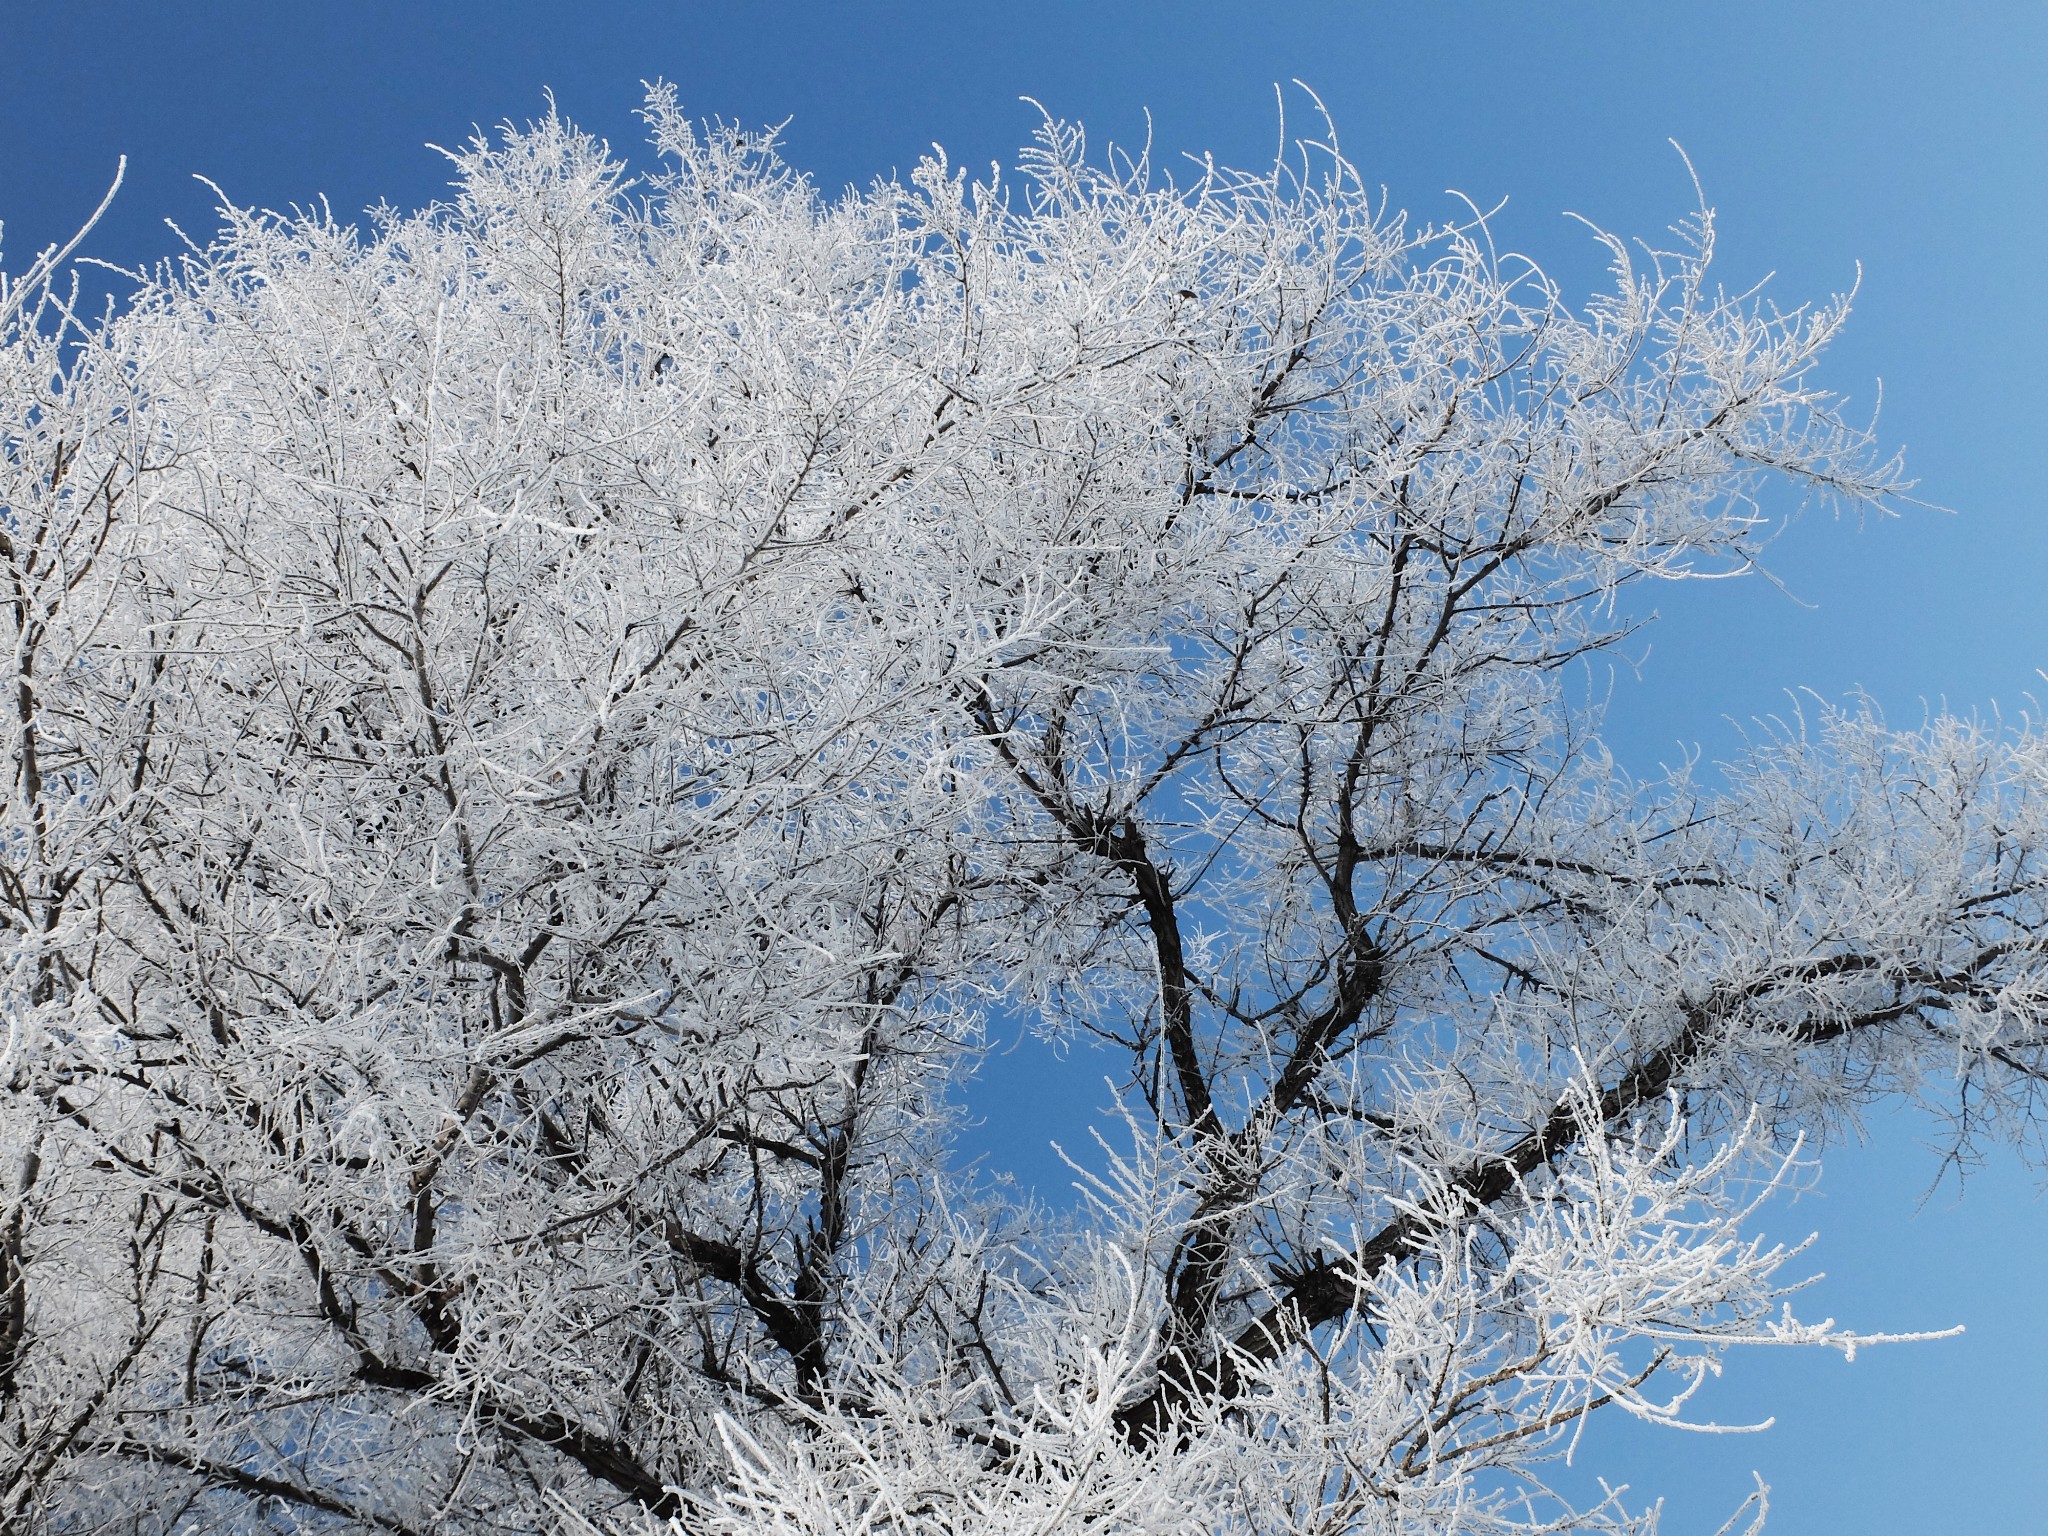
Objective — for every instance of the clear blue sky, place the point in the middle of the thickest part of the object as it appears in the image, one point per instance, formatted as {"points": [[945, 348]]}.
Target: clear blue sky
{"points": [[1907, 136]]}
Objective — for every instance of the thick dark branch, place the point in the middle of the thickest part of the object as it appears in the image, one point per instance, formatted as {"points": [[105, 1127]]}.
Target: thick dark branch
{"points": [[795, 1330], [835, 1176], [1125, 847], [1236, 1162], [605, 1459], [1527, 864], [254, 1485], [1332, 1288], [13, 1279], [1360, 969]]}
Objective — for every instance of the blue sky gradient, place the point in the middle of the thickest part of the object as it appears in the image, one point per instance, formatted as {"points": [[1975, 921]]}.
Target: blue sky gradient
{"points": [[1907, 137]]}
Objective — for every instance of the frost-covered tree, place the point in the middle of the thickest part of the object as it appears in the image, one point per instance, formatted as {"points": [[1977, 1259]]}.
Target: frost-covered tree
{"points": [[545, 735]]}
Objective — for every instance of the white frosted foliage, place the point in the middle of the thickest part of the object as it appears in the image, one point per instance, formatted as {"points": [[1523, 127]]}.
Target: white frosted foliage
{"points": [[547, 734]]}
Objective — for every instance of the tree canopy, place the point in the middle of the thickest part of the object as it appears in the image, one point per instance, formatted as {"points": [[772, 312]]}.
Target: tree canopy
{"points": [[546, 734]]}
